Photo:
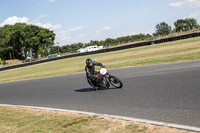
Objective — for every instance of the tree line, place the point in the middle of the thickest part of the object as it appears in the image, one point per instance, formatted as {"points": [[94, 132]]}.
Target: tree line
{"points": [[181, 25], [106, 43], [21, 40], [161, 29]]}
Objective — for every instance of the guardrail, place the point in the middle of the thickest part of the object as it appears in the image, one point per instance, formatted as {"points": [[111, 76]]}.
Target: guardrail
{"points": [[191, 35]]}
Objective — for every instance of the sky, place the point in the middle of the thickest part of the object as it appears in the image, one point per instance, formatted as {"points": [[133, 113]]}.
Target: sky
{"points": [[76, 21]]}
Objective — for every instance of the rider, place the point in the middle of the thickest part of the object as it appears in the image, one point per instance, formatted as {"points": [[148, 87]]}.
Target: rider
{"points": [[90, 69]]}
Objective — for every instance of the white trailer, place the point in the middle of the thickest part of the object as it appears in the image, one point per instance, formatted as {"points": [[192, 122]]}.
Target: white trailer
{"points": [[82, 50], [89, 49]]}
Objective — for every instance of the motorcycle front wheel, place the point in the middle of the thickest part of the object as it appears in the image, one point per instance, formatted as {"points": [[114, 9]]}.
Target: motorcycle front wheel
{"points": [[115, 82]]}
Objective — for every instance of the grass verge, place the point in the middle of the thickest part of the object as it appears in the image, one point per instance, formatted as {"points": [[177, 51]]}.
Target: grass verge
{"points": [[19, 120], [182, 50], [29, 120]]}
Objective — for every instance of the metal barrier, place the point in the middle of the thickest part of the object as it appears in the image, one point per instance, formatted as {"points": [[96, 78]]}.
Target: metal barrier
{"points": [[106, 50]]}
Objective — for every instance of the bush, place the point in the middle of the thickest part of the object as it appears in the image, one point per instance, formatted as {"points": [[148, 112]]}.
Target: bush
{"points": [[2, 63]]}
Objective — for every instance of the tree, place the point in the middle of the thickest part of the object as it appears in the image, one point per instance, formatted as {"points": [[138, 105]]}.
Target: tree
{"points": [[9, 50], [101, 43], [55, 50], [163, 29], [66, 48], [46, 40], [73, 47], [19, 39], [182, 25], [19, 36], [80, 45], [109, 42], [192, 23], [2, 44]]}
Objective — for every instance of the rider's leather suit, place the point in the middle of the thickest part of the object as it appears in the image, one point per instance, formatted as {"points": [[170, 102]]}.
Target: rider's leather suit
{"points": [[90, 70]]}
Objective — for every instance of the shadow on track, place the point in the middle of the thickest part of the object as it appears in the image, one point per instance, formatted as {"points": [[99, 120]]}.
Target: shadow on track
{"points": [[91, 89], [84, 90]]}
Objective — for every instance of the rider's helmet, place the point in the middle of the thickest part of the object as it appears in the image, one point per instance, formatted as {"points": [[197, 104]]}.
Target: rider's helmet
{"points": [[88, 61]]}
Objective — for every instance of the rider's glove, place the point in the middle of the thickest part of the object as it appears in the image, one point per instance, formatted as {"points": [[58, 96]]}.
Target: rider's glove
{"points": [[103, 66], [95, 76]]}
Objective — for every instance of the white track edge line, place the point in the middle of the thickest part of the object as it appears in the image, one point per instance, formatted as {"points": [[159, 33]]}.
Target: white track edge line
{"points": [[172, 125]]}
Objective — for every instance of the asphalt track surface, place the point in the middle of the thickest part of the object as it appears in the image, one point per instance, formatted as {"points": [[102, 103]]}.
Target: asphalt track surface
{"points": [[166, 93]]}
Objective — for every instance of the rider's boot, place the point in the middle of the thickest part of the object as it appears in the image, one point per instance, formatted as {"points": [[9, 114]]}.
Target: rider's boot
{"points": [[95, 88]]}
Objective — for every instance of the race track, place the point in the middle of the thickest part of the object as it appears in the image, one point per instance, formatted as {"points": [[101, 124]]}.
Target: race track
{"points": [[167, 92]]}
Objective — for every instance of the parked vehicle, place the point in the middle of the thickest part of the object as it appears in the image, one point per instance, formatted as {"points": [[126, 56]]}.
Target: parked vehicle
{"points": [[53, 56], [104, 80], [89, 49]]}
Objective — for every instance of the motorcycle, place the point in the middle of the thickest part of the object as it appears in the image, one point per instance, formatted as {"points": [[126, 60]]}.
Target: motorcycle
{"points": [[104, 80]]}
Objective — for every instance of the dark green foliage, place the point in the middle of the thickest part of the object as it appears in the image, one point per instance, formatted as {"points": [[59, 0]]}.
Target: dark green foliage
{"points": [[182, 25], [163, 29], [19, 39]]}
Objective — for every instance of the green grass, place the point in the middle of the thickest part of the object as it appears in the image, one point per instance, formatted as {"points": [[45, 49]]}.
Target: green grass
{"points": [[183, 50], [20, 120], [14, 120], [25, 120]]}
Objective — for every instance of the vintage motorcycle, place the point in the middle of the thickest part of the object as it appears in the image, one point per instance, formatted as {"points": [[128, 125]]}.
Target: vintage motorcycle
{"points": [[104, 80]]}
